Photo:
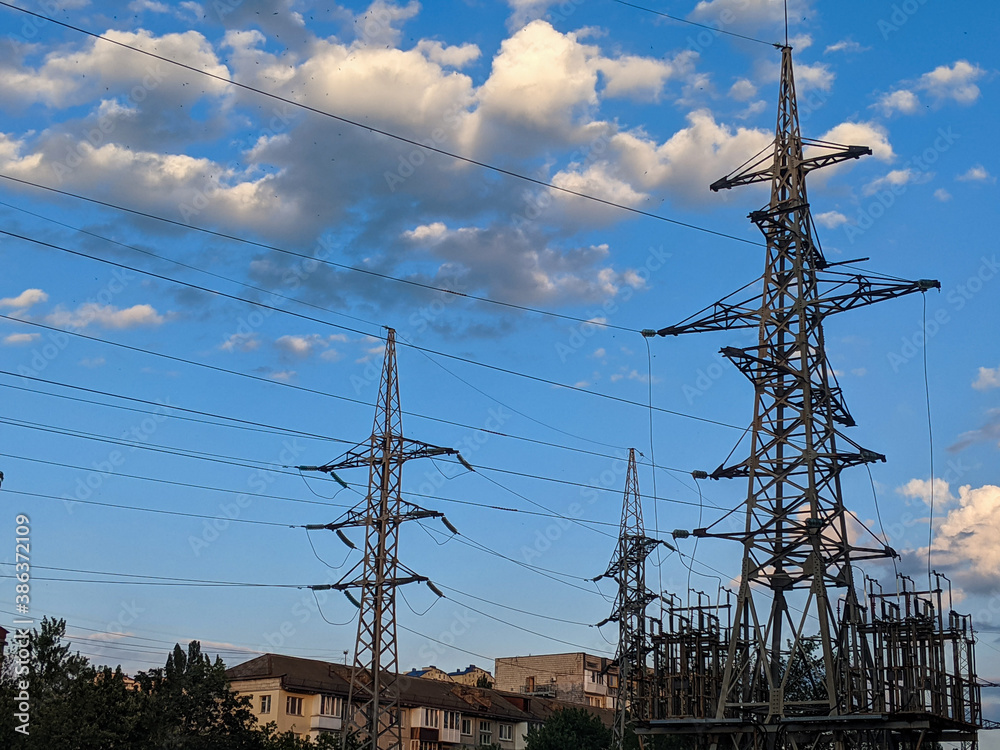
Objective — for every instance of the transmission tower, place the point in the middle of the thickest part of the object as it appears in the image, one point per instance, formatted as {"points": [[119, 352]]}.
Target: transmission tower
{"points": [[373, 709], [805, 660], [628, 569]]}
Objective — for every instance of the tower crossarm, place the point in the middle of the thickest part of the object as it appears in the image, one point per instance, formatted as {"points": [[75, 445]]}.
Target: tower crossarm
{"points": [[405, 449], [839, 293], [830, 153]]}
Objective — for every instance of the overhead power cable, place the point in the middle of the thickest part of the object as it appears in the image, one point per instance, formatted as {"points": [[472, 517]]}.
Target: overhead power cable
{"points": [[292, 253], [713, 29], [466, 360], [386, 133]]}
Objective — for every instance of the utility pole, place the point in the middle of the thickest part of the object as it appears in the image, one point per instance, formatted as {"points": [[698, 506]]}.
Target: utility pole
{"points": [[373, 708], [628, 568], [805, 661]]}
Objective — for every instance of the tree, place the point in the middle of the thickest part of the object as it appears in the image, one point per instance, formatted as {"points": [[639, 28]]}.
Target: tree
{"points": [[484, 681], [570, 729]]}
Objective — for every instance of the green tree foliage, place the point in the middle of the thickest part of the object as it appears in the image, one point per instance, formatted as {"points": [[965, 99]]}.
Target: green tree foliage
{"points": [[185, 705], [570, 729]]}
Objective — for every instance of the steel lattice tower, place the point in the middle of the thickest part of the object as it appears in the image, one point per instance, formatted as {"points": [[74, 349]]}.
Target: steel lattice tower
{"points": [[373, 699], [802, 665], [628, 569]]}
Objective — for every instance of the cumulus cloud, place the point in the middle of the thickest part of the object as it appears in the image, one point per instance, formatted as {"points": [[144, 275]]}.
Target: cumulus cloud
{"points": [[831, 219], [304, 345], [25, 299], [955, 83], [920, 489], [989, 377], [525, 11], [240, 342], [903, 101], [896, 178], [743, 90], [868, 134], [105, 316], [942, 195], [976, 173], [965, 539]]}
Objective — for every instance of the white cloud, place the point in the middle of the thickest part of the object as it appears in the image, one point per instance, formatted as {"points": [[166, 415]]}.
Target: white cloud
{"points": [[19, 339], [427, 233], [92, 362], [815, 76], [240, 342], [743, 90], [965, 540], [903, 101], [868, 134], [942, 195], [25, 299], [640, 77], [955, 82], [300, 346], [831, 219], [304, 345], [976, 173], [989, 377], [378, 26], [138, 6], [845, 45], [105, 316], [452, 57], [895, 179], [920, 489], [283, 375]]}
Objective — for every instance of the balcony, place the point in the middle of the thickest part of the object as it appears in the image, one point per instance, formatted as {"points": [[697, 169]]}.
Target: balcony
{"points": [[322, 723], [544, 691]]}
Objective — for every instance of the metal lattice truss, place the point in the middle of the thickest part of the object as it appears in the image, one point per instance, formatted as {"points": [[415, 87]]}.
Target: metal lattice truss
{"points": [[800, 662], [373, 700], [628, 569]]}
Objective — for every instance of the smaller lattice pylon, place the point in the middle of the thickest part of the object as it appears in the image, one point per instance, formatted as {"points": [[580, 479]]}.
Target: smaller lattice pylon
{"points": [[373, 707], [628, 569]]}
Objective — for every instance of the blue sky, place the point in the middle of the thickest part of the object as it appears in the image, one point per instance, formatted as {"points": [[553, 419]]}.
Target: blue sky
{"points": [[590, 95]]}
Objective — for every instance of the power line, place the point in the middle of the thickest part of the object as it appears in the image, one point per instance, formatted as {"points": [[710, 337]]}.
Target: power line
{"points": [[466, 360], [386, 133], [713, 29], [262, 427]]}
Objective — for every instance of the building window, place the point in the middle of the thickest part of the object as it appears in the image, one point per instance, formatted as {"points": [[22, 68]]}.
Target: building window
{"points": [[595, 702], [429, 746], [430, 717], [265, 704], [485, 733], [600, 678], [451, 719], [293, 706], [329, 705], [593, 676], [467, 727], [506, 732]]}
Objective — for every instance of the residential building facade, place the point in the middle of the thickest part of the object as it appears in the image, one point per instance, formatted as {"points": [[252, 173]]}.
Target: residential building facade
{"points": [[307, 697], [577, 678]]}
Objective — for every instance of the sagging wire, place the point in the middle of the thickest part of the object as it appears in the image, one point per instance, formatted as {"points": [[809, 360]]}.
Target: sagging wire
{"points": [[437, 598], [327, 621], [930, 443], [652, 460], [331, 567], [878, 515]]}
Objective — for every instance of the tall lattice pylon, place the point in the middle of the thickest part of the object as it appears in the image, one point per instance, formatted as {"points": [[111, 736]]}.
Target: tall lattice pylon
{"points": [[373, 710], [802, 666], [628, 569]]}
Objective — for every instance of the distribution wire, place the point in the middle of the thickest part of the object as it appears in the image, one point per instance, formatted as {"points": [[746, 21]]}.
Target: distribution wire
{"points": [[466, 360], [713, 29], [281, 468], [930, 446], [386, 133], [268, 428], [285, 251]]}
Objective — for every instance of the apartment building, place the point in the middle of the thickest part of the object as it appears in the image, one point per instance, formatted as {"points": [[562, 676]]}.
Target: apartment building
{"points": [[472, 675], [577, 678], [307, 697]]}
